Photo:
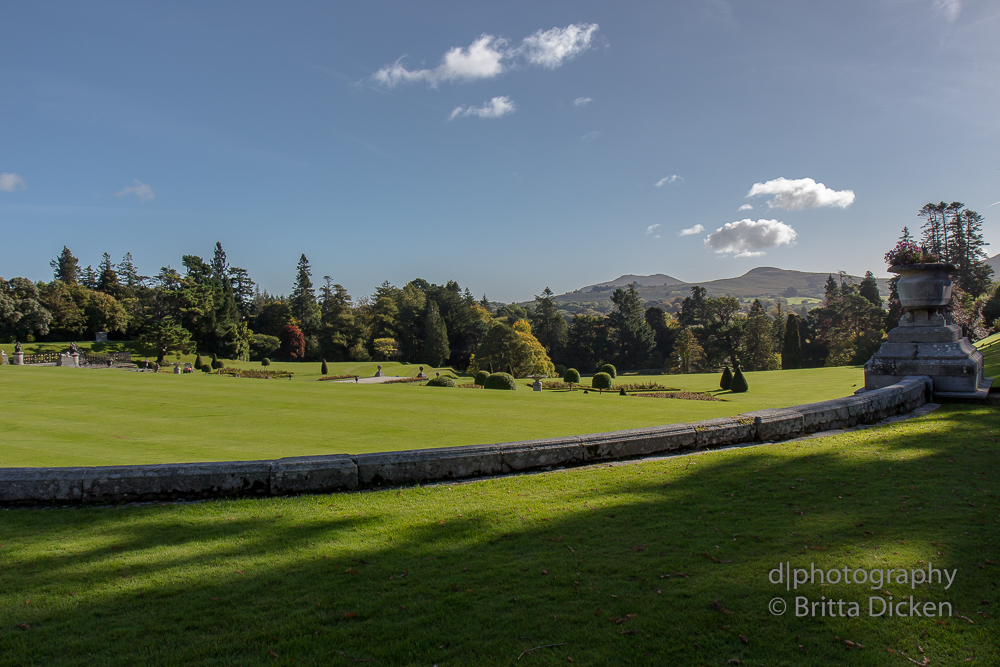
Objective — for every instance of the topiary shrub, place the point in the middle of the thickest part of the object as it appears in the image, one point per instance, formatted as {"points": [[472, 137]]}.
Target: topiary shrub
{"points": [[198, 363], [440, 381], [206, 369], [621, 392], [727, 378], [739, 383], [480, 378], [610, 370], [324, 369], [216, 363], [601, 380], [500, 381], [572, 376], [265, 362]]}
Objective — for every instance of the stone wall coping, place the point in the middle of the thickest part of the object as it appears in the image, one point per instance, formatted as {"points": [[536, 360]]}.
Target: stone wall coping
{"points": [[349, 472]]}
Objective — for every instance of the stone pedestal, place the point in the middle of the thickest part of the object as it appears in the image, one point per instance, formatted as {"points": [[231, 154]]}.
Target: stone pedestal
{"points": [[18, 359], [68, 360], [925, 344], [177, 370], [537, 385], [379, 373], [422, 375], [101, 337]]}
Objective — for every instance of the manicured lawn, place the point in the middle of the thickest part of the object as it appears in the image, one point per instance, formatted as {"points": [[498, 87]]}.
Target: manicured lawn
{"points": [[63, 416], [654, 563], [991, 356]]}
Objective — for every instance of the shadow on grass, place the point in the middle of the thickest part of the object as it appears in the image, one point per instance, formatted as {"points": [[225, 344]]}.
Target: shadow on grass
{"points": [[661, 562]]}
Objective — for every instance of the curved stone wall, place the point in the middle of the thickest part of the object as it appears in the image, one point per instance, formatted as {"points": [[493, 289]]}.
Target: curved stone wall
{"points": [[341, 472]]}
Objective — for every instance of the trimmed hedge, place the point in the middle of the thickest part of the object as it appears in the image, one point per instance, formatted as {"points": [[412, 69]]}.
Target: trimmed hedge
{"points": [[610, 370], [572, 376], [621, 392], [739, 383], [500, 381], [601, 380], [727, 379], [324, 369], [480, 378], [440, 381], [216, 364], [198, 362], [265, 362]]}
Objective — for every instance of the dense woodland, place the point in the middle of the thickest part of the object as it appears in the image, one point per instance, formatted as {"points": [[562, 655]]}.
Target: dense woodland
{"points": [[215, 307]]}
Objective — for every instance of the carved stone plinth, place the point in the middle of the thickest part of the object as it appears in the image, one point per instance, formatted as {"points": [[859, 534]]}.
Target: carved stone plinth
{"points": [[930, 347], [18, 359]]}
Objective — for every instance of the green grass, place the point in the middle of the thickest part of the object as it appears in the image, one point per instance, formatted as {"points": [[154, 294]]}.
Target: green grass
{"points": [[678, 550], [991, 356], [63, 416]]}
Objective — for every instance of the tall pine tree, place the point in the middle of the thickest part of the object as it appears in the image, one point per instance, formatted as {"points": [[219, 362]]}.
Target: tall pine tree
{"points": [[436, 350], [791, 351], [66, 267]]}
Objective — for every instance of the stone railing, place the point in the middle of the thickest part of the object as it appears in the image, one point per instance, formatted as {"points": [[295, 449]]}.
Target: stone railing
{"points": [[342, 472]]}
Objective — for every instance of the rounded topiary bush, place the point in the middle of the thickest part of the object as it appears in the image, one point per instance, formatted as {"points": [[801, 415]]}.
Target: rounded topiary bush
{"points": [[205, 368], [324, 369], [198, 363], [572, 376], [601, 380], [610, 370], [727, 378], [739, 383], [215, 362], [480, 378], [440, 381], [265, 362], [500, 381]]}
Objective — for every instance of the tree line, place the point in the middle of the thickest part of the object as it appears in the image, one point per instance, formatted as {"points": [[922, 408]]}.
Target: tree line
{"points": [[215, 307]]}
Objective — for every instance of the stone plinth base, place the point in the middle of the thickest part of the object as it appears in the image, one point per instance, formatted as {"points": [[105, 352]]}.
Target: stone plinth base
{"points": [[930, 347], [18, 359]]}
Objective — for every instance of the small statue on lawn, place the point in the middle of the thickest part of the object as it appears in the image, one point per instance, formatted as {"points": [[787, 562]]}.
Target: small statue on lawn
{"points": [[17, 347]]}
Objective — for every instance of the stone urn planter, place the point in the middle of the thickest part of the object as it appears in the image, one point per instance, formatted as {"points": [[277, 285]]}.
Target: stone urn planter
{"points": [[923, 286]]}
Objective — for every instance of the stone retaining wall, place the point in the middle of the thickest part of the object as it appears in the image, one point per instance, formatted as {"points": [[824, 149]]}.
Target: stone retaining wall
{"points": [[327, 474]]}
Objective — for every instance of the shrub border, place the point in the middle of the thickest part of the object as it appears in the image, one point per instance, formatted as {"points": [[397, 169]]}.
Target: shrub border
{"points": [[343, 472]]}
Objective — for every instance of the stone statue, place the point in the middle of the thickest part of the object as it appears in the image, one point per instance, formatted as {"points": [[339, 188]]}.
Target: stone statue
{"points": [[17, 347], [73, 349]]}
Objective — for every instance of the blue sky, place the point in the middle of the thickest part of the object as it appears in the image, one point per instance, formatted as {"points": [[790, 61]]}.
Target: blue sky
{"points": [[508, 146]]}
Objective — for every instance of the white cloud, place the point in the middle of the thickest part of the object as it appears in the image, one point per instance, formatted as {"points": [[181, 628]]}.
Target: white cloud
{"points": [[797, 194], [949, 9], [652, 228], [746, 238], [697, 229], [139, 189], [480, 60], [745, 207], [11, 182], [590, 136], [666, 180], [582, 101], [551, 48], [498, 106], [488, 57]]}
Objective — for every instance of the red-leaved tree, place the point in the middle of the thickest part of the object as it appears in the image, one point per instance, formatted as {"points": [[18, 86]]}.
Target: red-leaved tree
{"points": [[293, 343]]}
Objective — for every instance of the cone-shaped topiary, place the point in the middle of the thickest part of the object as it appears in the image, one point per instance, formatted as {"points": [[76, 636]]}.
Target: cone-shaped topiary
{"points": [[265, 362], [440, 381], [609, 369], [481, 378], [727, 379], [500, 381], [215, 362], [621, 392], [601, 380], [198, 363], [572, 376], [324, 369], [739, 383]]}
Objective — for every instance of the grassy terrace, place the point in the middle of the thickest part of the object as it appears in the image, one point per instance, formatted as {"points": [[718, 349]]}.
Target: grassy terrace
{"points": [[653, 563], [61, 416]]}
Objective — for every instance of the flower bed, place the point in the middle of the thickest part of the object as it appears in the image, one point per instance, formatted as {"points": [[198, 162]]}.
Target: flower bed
{"points": [[404, 380], [685, 395], [645, 386], [337, 377], [255, 373]]}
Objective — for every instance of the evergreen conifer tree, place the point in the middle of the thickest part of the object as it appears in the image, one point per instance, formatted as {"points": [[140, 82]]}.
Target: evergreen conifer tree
{"points": [[324, 369], [739, 383], [791, 352], [66, 267], [107, 280], [436, 349], [303, 298], [198, 362], [869, 289]]}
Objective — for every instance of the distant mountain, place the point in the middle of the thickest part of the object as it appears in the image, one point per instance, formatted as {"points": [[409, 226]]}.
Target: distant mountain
{"points": [[994, 261], [765, 282], [654, 280]]}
